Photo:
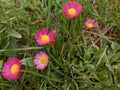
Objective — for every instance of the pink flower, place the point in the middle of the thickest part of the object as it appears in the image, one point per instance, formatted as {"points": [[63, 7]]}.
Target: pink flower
{"points": [[41, 60], [90, 23], [72, 9], [44, 38], [12, 69]]}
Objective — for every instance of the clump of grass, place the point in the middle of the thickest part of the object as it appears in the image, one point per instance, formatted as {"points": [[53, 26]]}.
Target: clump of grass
{"points": [[79, 59]]}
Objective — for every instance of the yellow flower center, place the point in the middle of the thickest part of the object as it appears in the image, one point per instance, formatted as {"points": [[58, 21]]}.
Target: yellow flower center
{"points": [[45, 38], [72, 11], [43, 60], [90, 25], [14, 69]]}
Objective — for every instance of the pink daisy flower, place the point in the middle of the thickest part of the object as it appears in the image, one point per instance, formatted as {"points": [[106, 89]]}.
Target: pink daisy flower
{"points": [[12, 69], [41, 60], [44, 38], [72, 9], [90, 23]]}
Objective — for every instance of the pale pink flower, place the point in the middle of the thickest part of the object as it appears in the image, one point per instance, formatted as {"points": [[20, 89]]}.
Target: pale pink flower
{"points": [[41, 60], [12, 69], [90, 23], [43, 37], [72, 9]]}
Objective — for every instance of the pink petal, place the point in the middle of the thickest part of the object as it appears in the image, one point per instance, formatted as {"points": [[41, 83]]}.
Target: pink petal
{"points": [[52, 36]]}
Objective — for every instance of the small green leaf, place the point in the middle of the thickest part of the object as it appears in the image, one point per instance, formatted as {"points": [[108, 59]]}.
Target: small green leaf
{"points": [[110, 67], [12, 44], [115, 46], [81, 67], [104, 78], [1, 63], [90, 66], [15, 34], [28, 61], [118, 85], [55, 75], [83, 84], [103, 74], [106, 81], [90, 88], [87, 56], [73, 87]]}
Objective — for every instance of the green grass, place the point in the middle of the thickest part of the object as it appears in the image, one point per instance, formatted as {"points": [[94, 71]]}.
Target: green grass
{"points": [[80, 59]]}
